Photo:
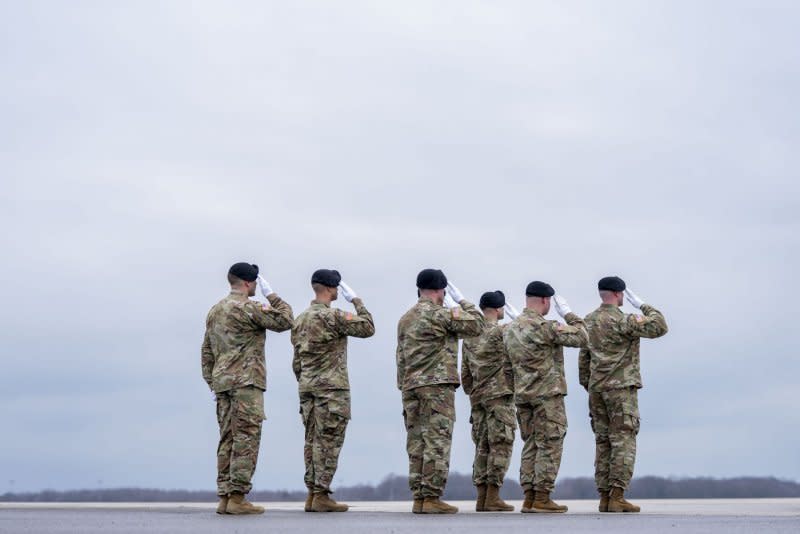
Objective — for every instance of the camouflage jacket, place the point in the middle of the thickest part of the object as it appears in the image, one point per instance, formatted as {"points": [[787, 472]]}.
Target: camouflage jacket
{"points": [[536, 347], [486, 371], [611, 361], [319, 338], [233, 347], [427, 342]]}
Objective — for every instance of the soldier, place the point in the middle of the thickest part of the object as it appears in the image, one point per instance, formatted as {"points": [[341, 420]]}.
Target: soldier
{"points": [[234, 367], [427, 376], [537, 355], [319, 338], [609, 370], [488, 379]]}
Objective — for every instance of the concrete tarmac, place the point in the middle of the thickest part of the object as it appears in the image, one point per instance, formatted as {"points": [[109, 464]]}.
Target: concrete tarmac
{"points": [[730, 516]]}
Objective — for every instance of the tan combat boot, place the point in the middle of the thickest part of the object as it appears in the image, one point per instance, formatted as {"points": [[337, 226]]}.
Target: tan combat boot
{"points": [[223, 504], [309, 501], [527, 505], [480, 503], [603, 501], [238, 505], [417, 508], [617, 502], [433, 505], [323, 503], [542, 504], [493, 501]]}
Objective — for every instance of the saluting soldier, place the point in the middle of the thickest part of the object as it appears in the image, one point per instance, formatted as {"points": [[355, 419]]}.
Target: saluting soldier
{"points": [[488, 379], [319, 338], [609, 370], [536, 346], [427, 376], [234, 367]]}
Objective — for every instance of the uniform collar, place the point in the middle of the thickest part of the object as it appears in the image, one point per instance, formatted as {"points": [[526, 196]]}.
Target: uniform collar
{"points": [[530, 312], [235, 293], [315, 302]]}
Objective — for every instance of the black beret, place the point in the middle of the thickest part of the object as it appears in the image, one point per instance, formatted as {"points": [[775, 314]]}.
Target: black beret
{"points": [[326, 277], [492, 299], [245, 271], [611, 283], [431, 279], [539, 289]]}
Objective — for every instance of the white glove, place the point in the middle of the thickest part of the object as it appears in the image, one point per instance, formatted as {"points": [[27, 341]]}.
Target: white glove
{"points": [[454, 292], [562, 307], [266, 289], [348, 292], [633, 298], [511, 311], [449, 302]]}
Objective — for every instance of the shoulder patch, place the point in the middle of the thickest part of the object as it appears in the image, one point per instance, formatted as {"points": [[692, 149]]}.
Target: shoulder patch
{"points": [[456, 311], [638, 318], [348, 316], [265, 307]]}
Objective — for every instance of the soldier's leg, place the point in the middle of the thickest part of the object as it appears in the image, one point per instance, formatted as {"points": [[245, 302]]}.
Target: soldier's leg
{"points": [[500, 438], [528, 459], [307, 415], [623, 409], [414, 444], [549, 429], [437, 436], [225, 443], [598, 415], [247, 417], [480, 439], [500, 426], [333, 416]]}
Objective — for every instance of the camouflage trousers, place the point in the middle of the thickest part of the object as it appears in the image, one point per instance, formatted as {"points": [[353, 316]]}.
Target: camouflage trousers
{"points": [[493, 428], [240, 413], [543, 425], [429, 413], [615, 422], [325, 416]]}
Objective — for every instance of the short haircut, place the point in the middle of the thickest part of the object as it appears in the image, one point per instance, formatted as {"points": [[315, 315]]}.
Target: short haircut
{"points": [[234, 280], [318, 288]]}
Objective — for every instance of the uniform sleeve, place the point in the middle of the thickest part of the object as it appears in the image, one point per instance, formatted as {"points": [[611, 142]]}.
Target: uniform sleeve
{"points": [[401, 361], [360, 325], [466, 372], [650, 325], [584, 367], [572, 334], [296, 361], [207, 359], [464, 320], [508, 368], [276, 318]]}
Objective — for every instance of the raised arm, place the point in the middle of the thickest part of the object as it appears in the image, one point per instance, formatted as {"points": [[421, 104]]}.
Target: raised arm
{"points": [[572, 334], [360, 325]]}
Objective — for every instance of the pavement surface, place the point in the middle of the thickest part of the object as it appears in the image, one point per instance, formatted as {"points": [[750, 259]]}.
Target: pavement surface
{"points": [[730, 516]]}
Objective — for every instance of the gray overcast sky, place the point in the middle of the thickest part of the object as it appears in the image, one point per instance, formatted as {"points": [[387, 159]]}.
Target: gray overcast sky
{"points": [[146, 146]]}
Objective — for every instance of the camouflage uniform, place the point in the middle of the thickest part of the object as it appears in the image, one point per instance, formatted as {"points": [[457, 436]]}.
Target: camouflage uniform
{"points": [[235, 368], [427, 376], [488, 379], [537, 356], [609, 370], [319, 338]]}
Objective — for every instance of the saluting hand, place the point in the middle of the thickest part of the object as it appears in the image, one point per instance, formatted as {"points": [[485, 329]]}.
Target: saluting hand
{"points": [[347, 292], [562, 307], [634, 299]]}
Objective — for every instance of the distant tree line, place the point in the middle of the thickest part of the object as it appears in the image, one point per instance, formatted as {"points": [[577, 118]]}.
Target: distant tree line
{"points": [[459, 487]]}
